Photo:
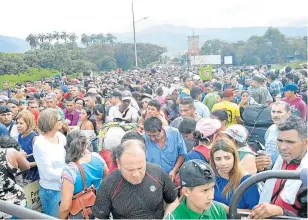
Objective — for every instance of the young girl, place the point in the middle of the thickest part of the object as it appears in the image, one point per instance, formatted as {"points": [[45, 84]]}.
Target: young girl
{"points": [[224, 160]]}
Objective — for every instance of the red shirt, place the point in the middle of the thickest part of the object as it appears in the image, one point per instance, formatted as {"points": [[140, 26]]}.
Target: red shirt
{"points": [[276, 199]]}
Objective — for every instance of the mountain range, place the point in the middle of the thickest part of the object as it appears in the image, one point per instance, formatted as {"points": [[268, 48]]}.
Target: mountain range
{"points": [[174, 38]]}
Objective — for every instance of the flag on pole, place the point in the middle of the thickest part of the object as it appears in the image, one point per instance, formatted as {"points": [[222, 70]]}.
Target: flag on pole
{"points": [[206, 73]]}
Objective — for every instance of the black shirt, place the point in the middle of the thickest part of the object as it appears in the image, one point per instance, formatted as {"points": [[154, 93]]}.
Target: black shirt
{"points": [[143, 201]]}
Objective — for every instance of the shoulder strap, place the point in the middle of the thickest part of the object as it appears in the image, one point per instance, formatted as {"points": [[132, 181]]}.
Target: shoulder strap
{"points": [[204, 151], [11, 126], [82, 175]]}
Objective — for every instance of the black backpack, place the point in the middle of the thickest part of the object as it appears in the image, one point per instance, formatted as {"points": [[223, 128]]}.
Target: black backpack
{"points": [[257, 116]]}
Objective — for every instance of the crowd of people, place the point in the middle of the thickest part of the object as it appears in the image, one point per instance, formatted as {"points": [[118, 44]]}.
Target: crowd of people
{"points": [[156, 143]]}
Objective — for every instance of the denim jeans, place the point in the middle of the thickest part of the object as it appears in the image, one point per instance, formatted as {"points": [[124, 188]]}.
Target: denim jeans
{"points": [[50, 201]]}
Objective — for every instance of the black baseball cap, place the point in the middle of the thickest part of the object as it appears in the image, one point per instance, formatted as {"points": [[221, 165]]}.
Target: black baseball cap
{"points": [[115, 94], [196, 173]]}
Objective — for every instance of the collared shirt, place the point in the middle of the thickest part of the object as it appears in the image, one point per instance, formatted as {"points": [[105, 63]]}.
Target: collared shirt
{"points": [[130, 114], [72, 116], [167, 156], [201, 109], [216, 211]]}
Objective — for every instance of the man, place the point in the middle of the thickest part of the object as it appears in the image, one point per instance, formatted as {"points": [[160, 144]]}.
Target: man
{"points": [[201, 109], [235, 85], [6, 91], [187, 128], [115, 97], [211, 98], [90, 101], [188, 83], [59, 95], [231, 108], [47, 87], [38, 85], [58, 82], [275, 85], [33, 105], [165, 146], [137, 189], [153, 110], [51, 102], [279, 196], [3, 99], [197, 180], [187, 109], [71, 113], [124, 110], [294, 100], [280, 112], [6, 118], [259, 93]]}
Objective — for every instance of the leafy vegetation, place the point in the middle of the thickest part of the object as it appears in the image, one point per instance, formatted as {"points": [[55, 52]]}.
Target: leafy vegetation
{"points": [[32, 74], [61, 52], [272, 47]]}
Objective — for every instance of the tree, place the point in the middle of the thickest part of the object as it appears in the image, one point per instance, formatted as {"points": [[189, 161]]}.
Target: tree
{"points": [[41, 37], [49, 37], [64, 36], [56, 36], [85, 40], [32, 39], [110, 38]]}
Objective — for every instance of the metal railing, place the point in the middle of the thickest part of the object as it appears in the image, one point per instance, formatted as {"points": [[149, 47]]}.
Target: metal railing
{"points": [[21, 212], [255, 179]]}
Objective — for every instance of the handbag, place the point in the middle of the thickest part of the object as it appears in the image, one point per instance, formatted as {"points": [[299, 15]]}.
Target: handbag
{"points": [[83, 201]]}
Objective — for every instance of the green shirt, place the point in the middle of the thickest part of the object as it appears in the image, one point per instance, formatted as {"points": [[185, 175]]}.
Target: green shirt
{"points": [[216, 211], [210, 100]]}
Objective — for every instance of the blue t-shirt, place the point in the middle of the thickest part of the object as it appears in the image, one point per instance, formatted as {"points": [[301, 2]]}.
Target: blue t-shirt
{"points": [[93, 170], [248, 200]]}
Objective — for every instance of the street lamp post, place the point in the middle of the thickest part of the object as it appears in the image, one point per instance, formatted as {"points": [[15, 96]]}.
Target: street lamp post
{"points": [[134, 22]]}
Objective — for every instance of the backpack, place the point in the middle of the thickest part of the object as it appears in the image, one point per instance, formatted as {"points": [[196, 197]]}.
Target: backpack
{"points": [[204, 151], [257, 116], [105, 128]]}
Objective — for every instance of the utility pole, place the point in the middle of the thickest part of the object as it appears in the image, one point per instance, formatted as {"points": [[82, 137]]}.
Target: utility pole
{"points": [[135, 45], [194, 46]]}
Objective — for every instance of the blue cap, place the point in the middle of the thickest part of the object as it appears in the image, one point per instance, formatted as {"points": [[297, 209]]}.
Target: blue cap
{"points": [[3, 130], [290, 87]]}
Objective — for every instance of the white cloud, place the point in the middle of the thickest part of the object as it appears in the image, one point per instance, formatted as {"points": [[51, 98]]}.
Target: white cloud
{"points": [[21, 17]]}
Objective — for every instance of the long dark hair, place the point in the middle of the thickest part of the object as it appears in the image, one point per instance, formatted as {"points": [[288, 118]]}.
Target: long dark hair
{"points": [[100, 109], [89, 113]]}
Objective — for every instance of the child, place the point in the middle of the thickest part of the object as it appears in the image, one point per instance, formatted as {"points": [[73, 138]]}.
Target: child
{"points": [[197, 181]]}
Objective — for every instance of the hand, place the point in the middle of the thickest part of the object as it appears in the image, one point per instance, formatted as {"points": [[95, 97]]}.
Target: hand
{"points": [[265, 210], [172, 175], [263, 162]]}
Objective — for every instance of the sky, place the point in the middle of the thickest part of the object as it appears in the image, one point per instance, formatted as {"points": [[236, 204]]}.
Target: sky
{"points": [[18, 18]]}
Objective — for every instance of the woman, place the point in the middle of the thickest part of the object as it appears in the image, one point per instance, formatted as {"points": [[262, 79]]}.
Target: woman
{"points": [[219, 97], [93, 165], [14, 105], [27, 133], [246, 101], [10, 161], [79, 104], [49, 154], [89, 127], [206, 132], [99, 115], [224, 160], [222, 116]]}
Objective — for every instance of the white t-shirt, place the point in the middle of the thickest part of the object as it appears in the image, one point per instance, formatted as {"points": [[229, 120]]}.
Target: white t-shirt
{"points": [[50, 159]]}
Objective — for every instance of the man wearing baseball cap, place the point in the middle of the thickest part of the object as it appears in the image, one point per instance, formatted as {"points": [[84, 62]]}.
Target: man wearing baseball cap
{"points": [[291, 97], [232, 109], [197, 180]]}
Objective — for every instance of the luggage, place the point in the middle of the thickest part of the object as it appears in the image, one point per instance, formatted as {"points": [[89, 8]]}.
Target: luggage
{"points": [[257, 115]]}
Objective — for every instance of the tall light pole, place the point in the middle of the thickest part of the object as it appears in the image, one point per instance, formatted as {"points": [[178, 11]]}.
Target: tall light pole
{"points": [[134, 22]]}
